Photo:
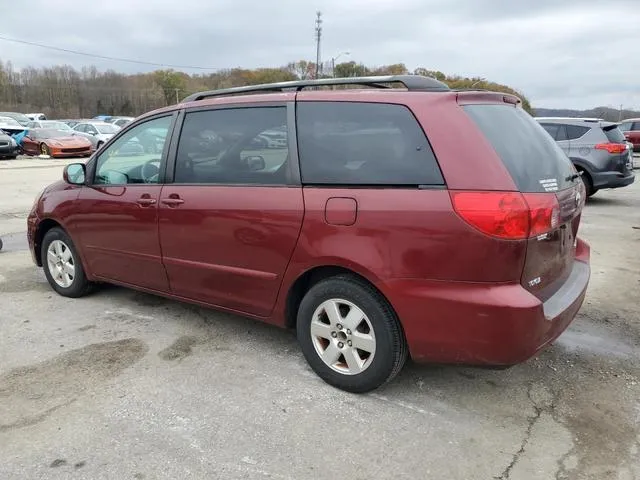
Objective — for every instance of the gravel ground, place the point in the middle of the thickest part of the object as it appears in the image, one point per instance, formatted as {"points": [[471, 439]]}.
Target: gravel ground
{"points": [[130, 386]]}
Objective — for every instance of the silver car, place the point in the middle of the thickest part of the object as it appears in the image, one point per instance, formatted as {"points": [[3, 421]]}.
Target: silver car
{"points": [[597, 148], [101, 132]]}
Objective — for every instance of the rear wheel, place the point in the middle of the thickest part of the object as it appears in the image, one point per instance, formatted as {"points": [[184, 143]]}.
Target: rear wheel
{"points": [[588, 183], [350, 335], [62, 265]]}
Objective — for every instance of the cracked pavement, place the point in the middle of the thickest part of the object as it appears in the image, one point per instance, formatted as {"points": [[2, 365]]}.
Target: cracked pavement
{"points": [[126, 385]]}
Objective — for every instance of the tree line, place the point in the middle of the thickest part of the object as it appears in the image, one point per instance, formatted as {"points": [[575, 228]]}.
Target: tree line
{"points": [[64, 92]]}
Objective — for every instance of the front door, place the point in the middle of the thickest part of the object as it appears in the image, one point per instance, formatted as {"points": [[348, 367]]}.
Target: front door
{"points": [[230, 220], [118, 220]]}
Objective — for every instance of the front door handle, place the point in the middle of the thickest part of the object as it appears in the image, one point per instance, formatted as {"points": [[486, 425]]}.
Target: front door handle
{"points": [[173, 200], [145, 200]]}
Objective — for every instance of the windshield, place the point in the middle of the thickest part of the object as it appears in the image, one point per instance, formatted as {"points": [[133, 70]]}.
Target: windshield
{"points": [[9, 121], [107, 128], [50, 133], [56, 125], [20, 117]]}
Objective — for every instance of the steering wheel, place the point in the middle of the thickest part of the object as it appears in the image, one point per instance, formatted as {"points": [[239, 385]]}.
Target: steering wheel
{"points": [[150, 171]]}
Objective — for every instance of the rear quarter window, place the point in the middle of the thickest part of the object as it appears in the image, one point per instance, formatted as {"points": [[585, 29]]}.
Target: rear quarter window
{"points": [[534, 160], [575, 131], [349, 143]]}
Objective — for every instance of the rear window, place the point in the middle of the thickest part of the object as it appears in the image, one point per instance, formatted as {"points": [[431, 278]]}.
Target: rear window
{"points": [[347, 143], [614, 135], [536, 163]]}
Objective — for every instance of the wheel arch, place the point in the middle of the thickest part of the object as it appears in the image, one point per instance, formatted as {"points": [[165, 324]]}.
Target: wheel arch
{"points": [[41, 230], [307, 279]]}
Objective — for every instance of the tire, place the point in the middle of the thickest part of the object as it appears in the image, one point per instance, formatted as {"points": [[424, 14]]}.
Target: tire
{"points": [[99, 145], [375, 328], [72, 282], [588, 184], [44, 150]]}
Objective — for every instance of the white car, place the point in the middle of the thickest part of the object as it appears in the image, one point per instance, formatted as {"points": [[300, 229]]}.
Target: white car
{"points": [[10, 126], [50, 124], [101, 131], [36, 116], [121, 121]]}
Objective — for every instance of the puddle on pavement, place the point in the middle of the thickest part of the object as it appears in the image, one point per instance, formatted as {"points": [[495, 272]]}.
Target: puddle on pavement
{"points": [[179, 349], [28, 395]]}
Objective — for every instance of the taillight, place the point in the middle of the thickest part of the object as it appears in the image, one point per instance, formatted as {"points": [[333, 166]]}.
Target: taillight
{"points": [[508, 215], [612, 147], [544, 212]]}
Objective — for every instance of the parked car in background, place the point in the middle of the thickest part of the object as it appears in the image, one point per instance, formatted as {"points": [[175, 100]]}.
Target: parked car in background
{"points": [[72, 122], [10, 125], [597, 149], [50, 124], [355, 232], [101, 131], [631, 130], [120, 121], [36, 116], [21, 118], [8, 147], [55, 143]]}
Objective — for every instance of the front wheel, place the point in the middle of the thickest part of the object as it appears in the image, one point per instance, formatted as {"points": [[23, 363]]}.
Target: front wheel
{"points": [[44, 150], [62, 265], [350, 335]]}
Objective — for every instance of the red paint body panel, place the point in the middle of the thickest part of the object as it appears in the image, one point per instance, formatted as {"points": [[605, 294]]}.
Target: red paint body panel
{"points": [[403, 233], [229, 245], [119, 236], [633, 136]]}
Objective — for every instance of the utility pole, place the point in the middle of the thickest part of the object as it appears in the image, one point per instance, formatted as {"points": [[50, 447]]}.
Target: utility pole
{"points": [[177, 97], [620, 114], [318, 40]]}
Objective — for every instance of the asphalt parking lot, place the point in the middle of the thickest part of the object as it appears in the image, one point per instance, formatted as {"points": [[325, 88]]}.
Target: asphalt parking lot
{"points": [[126, 385]]}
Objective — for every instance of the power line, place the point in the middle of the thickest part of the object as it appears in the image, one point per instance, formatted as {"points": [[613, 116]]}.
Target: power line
{"points": [[104, 57], [318, 40]]}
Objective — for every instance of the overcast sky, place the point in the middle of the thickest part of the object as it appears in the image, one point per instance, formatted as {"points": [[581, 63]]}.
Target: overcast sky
{"points": [[560, 53]]}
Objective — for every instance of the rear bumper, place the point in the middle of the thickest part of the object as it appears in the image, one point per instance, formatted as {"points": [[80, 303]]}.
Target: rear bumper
{"points": [[484, 324], [612, 179]]}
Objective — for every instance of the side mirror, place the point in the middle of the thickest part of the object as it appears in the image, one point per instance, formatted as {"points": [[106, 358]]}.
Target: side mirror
{"points": [[256, 163], [74, 174]]}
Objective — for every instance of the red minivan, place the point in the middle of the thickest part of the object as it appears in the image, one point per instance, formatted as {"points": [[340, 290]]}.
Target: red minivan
{"points": [[378, 222]]}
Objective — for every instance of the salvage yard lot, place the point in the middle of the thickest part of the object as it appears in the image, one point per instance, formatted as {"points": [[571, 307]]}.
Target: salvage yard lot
{"points": [[124, 385]]}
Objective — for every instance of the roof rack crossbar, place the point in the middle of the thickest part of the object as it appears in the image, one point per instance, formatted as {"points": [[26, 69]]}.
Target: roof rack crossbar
{"points": [[410, 82]]}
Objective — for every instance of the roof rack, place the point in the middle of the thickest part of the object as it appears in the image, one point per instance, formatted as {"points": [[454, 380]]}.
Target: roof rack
{"points": [[410, 82]]}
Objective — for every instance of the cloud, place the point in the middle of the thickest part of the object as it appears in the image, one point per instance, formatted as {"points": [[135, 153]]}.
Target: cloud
{"points": [[574, 53]]}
